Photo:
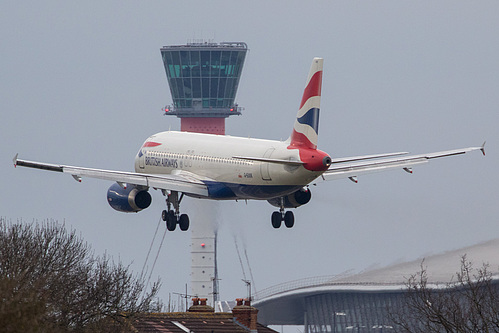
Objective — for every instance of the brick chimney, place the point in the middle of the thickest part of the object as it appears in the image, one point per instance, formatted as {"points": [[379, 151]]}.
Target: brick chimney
{"points": [[199, 305], [245, 314]]}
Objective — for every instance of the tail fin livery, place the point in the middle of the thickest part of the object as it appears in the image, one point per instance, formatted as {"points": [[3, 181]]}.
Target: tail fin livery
{"points": [[306, 127]]}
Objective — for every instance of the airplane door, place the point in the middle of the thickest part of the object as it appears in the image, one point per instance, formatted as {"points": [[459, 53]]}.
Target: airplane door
{"points": [[264, 167], [142, 158]]}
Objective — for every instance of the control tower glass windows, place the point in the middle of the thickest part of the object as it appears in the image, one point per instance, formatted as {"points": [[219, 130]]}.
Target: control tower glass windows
{"points": [[203, 77], [195, 64]]}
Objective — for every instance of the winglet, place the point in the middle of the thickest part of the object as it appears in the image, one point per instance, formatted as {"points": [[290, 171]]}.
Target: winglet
{"points": [[15, 160], [482, 149]]}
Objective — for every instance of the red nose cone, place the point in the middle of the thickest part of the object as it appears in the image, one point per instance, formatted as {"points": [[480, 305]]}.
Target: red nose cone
{"points": [[315, 160]]}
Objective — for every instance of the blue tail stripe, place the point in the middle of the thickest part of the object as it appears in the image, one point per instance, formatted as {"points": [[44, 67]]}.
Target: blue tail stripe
{"points": [[311, 118]]}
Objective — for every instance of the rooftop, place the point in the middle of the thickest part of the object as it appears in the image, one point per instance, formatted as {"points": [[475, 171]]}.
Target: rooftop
{"points": [[182, 322], [208, 44], [202, 318], [441, 268]]}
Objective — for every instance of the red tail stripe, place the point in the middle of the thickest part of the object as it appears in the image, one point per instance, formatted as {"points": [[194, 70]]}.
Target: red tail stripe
{"points": [[299, 140], [313, 88], [151, 144]]}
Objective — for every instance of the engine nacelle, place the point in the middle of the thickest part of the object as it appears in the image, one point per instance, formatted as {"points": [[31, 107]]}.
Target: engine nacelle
{"points": [[293, 200], [129, 200]]}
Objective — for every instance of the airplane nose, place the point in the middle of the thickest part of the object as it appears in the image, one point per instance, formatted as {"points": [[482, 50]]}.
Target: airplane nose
{"points": [[326, 161]]}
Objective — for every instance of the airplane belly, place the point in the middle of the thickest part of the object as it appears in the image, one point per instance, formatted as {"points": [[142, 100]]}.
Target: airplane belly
{"points": [[234, 191]]}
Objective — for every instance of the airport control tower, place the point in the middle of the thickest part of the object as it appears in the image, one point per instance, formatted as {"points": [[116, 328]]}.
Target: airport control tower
{"points": [[203, 79]]}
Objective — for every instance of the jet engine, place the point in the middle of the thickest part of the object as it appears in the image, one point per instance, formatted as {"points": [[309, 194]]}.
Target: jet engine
{"points": [[129, 199], [293, 200]]}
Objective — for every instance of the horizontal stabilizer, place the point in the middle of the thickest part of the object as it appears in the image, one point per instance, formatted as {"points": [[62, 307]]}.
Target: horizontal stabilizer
{"points": [[269, 160]]}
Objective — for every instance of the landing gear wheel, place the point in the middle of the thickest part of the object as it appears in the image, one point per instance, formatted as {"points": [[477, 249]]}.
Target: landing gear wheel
{"points": [[171, 221], [163, 215], [183, 222], [289, 219], [276, 219]]}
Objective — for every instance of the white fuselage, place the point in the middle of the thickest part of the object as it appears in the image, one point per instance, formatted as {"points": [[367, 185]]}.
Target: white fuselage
{"points": [[210, 159]]}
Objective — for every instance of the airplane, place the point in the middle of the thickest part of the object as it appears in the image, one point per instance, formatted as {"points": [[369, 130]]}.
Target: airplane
{"points": [[222, 167]]}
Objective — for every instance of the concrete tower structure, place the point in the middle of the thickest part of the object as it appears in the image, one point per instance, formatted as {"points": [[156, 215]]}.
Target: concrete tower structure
{"points": [[203, 79]]}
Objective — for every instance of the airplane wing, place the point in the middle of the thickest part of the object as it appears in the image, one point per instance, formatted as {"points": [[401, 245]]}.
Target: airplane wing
{"points": [[174, 182], [355, 166]]}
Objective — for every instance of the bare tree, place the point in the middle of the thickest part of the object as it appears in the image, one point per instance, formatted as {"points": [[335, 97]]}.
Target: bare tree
{"points": [[50, 281], [468, 304]]}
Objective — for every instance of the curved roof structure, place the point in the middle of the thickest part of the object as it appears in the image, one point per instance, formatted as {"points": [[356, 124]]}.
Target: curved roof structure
{"points": [[284, 304]]}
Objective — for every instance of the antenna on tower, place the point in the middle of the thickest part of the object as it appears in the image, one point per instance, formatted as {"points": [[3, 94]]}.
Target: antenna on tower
{"points": [[216, 294], [248, 285], [186, 296]]}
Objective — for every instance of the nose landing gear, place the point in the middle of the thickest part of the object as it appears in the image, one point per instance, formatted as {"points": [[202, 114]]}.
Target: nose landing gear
{"points": [[172, 217]]}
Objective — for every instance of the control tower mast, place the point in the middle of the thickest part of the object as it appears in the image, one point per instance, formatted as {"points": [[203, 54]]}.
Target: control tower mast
{"points": [[203, 79]]}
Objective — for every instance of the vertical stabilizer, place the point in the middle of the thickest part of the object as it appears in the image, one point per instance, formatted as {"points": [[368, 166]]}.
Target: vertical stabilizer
{"points": [[306, 127]]}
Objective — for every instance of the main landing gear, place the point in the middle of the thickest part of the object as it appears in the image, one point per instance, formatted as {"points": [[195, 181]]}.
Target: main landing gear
{"points": [[288, 217], [172, 217]]}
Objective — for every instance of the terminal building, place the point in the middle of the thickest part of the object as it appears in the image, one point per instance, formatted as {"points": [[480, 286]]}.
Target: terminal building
{"points": [[362, 302]]}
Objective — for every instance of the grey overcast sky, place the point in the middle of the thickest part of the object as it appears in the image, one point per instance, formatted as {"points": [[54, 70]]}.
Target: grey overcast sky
{"points": [[83, 83]]}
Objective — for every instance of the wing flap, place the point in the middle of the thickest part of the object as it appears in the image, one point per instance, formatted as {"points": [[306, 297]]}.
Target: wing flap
{"points": [[365, 157], [121, 176], [339, 172]]}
